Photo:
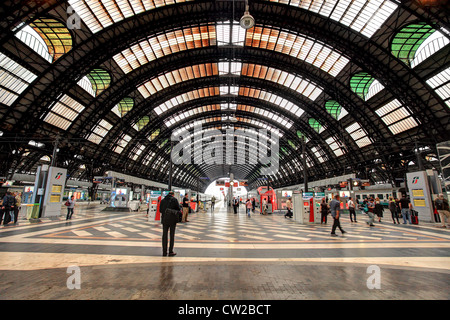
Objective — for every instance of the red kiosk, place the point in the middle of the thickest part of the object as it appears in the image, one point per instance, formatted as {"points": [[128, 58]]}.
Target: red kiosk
{"points": [[269, 195]]}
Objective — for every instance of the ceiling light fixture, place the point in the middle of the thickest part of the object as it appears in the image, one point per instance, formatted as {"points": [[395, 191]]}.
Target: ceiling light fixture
{"points": [[247, 21]]}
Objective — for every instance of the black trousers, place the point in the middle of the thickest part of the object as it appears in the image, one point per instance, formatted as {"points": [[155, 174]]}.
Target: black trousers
{"points": [[352, 213], [166, 228], [69, 213], [336, 224], [324, 217]]}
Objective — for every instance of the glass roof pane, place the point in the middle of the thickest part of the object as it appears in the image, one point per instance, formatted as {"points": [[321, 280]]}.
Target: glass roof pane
{"points": [[180, 75], [99, 14], [358, 134], [362, 16], [333, 108], [14, 79], [158, 46], [297, 46], [315, 124], [441, 84], [64, 112], [302, 86], [396, 117]]}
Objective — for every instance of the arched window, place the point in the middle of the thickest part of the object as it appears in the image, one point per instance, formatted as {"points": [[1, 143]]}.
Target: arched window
{"points": [[48, 37], [142, 122], [315, 124], [364, 85], [100, 80], [123, 107], [416, 42]]}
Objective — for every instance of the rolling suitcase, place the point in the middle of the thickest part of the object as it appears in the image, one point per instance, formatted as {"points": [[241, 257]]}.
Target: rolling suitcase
{"points": [[414, 217]]}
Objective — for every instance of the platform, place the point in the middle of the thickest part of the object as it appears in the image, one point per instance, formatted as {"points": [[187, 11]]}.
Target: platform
{"points": [[220, 256]]}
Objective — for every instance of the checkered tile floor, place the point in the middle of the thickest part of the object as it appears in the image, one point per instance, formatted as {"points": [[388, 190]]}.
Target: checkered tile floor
{"points": [[221, 255], [228, 227]]}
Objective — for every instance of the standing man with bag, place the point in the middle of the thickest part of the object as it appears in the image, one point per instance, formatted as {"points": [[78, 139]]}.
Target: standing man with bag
{"points": [[169, 208]]}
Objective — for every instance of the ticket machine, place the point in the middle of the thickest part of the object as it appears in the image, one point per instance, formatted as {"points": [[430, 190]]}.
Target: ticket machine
{"points": [[306, 207], [318, 197], [153, 205]]}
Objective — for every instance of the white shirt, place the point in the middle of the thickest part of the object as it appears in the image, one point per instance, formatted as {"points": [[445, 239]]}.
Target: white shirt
{"points": [[351, 204]]}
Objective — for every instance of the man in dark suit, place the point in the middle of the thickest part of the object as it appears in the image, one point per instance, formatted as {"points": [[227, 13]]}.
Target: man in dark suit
{"points": [[169, 202]]}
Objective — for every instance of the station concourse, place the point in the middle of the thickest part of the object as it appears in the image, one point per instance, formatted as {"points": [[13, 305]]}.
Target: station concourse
{"points": [[114, 103], [222, 256]]}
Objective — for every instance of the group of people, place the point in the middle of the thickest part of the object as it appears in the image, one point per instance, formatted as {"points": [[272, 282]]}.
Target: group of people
{"points": [[250, 205], [9, 208], [399, 208]]}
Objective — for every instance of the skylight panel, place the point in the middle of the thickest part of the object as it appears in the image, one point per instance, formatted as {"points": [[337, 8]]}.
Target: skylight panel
{"points": [[302, 86], [100, 131], [441, 84], [99, 14], [185, 97], [334, 146], [64, 112], [318, 154], [164, 44], [267, 96], [362, 16], [14, 79], [230, 33], [396, 117], [122, 143], [358, 134], [188, 73]]}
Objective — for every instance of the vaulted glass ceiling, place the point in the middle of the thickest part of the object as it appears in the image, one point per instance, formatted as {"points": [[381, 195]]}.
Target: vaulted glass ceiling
{"points": [[336, 75]]}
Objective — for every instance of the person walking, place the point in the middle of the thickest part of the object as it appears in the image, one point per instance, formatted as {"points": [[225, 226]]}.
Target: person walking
{"points": [[351, 209], [170, 209], [378, 209], [70, 206], [405, 206], [213, 203], [253, 204], [324, 208], [235, 204], [248, 205], [393, 209], [442, 208], [335, 208], [289, 208], [185, 208]]}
